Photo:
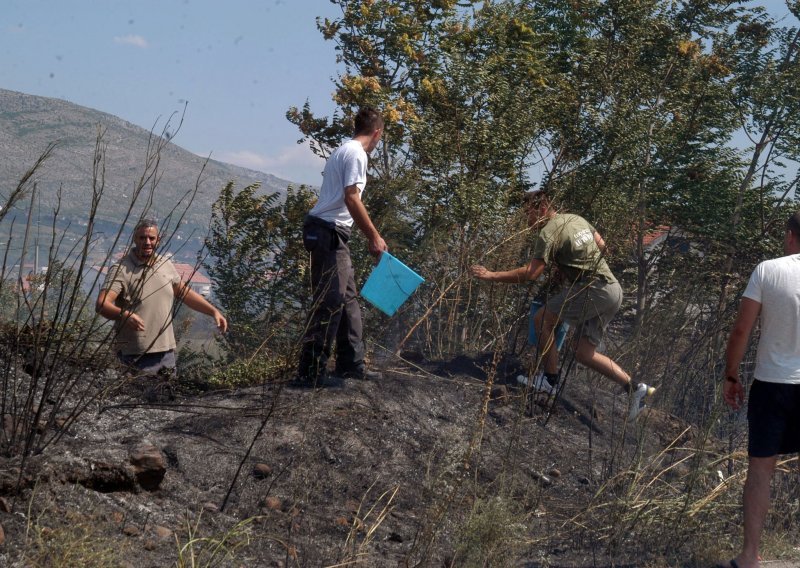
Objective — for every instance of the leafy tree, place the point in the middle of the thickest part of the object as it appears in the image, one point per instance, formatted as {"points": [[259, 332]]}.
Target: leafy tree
{"points": [[628, 110], [256, 263], [238, 249]]}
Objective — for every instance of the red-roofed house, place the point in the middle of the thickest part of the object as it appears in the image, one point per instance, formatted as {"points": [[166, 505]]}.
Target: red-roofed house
{"points": [[189, 273], [197, 281]]}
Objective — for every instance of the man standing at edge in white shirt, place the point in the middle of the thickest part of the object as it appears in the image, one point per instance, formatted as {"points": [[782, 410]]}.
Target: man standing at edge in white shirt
{"points": [[773, 412], [335, 315]]}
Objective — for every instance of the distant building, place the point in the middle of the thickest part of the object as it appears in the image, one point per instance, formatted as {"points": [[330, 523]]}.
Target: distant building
{"points": [[197, 281], [189, 273], [663, 237]]}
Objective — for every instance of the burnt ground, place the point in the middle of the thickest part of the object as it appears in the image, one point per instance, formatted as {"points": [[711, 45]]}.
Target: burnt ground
{"points": [[407, 470]]}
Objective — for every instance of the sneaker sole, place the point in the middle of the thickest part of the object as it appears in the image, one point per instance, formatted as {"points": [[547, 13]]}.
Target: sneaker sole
{"points": [[522, 381]]}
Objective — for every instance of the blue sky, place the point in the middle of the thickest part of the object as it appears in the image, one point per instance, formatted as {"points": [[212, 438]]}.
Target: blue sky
{"points": [[240, 63]]}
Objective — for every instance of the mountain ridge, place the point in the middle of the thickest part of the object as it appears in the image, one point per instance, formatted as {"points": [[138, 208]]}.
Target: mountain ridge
{"points": [[30, 123]]}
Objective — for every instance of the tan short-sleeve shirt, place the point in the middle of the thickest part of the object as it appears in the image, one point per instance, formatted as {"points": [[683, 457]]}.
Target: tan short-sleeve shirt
{"points": [[147, 290]]}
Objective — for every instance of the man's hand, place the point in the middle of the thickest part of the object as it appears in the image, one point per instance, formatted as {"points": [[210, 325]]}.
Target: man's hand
{"points": [[132, 321], [733, 392], [480, 272], [376, 246], [222, 323]]}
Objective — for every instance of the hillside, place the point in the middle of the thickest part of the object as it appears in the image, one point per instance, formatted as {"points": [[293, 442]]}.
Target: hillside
{"points": [[29, 123], [405, 471]]}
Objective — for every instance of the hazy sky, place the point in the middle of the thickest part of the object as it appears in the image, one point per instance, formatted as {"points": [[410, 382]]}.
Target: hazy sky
{"points": [[240, 63]]}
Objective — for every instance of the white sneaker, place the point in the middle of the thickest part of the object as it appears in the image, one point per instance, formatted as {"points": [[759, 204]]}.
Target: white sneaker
{"points": [[637, 400], [538, 383]]}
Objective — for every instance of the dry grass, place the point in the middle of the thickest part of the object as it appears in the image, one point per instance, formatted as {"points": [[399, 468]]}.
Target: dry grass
{"points": [[70, 539], [198, 551]]}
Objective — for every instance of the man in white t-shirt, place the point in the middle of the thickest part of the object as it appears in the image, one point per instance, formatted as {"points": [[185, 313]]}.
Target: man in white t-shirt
{"points": [[773, 412], [335, 316]]}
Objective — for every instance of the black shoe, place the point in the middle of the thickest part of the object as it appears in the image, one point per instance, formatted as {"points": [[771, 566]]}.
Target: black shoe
{"points": [[325, 381], [159, 393], [361, 375], [301, 383]]}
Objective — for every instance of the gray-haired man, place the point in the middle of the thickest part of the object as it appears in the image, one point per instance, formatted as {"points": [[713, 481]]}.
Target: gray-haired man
{"points": [[138, 295]]}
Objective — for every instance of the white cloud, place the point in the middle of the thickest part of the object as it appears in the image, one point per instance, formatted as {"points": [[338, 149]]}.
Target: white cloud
{"points": [[294, 163], [131, 39]]}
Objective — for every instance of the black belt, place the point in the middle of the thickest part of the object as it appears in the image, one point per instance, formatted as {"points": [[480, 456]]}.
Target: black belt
{"points": [[342, 231]]}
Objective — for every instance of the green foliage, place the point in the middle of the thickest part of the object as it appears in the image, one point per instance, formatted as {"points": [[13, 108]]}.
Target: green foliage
{"points": [[257, 264], [629, 112], [246, 372]]}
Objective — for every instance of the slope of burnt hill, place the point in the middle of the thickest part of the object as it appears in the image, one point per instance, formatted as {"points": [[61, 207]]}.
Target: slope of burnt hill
{"points": [[408, 470]]}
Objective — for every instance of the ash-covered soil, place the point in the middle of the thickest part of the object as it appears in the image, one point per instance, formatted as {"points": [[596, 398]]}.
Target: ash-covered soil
{"points": [[433, 465]]}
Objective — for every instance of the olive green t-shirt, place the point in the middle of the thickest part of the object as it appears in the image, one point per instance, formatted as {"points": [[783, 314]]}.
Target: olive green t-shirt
{"points": [[568, 241], [146, 290]]}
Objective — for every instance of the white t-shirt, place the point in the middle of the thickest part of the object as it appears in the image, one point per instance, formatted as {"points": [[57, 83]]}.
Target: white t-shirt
{"points": [[345, 167], [775, 284]]}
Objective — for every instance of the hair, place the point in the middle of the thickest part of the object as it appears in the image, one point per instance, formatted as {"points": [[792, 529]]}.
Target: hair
{"points": [[145, 224], [536, 197], [793, 224], [367, 121]]}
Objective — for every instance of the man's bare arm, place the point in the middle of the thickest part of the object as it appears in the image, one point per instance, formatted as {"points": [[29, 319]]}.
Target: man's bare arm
{"points": [[106, 306], [352, 199], [732, 390], [522, 274], [601, 244], [198, 303]]}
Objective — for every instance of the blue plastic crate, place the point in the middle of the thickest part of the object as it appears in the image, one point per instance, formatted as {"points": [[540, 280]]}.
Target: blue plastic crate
{"points": [[390, 284]]}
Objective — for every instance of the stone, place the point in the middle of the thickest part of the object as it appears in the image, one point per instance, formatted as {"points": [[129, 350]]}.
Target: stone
{"points": [[131, 530], [2, 536], [262, 471], [210, 507], [543, 480], [554, 473], [149, 544], [501, 394], [163, 533], [5, 507], [341, 522], [149, 466], [117, 517], [273, 503]]}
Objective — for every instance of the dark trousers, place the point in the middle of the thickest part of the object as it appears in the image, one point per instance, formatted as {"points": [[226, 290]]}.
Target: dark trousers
{"points": [[151, 363], [335, 315]]}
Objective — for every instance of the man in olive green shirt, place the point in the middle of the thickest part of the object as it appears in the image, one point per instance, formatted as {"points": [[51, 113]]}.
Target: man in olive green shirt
{"points": [[589, 298], [138, 294]]}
